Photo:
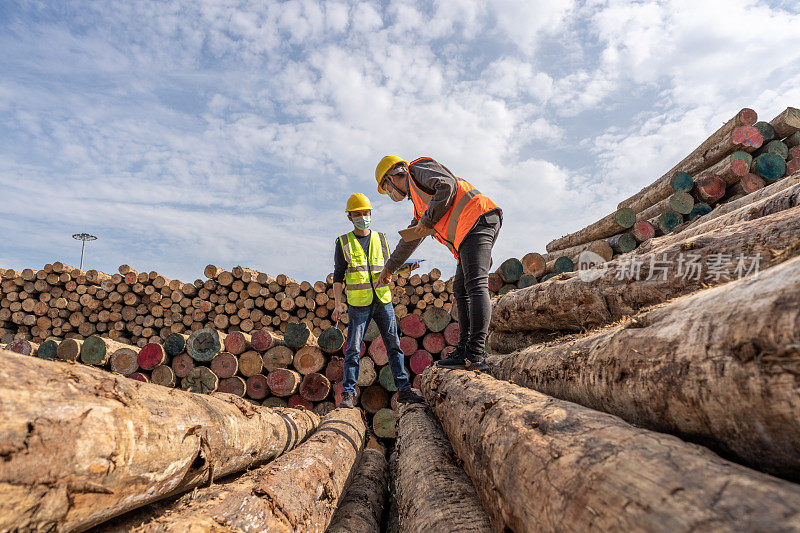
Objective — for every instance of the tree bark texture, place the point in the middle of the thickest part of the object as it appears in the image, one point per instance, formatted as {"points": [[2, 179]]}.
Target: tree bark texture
{"points": [[433, 492], [80, 445], [299, 491], [362, 506], [692, 367], [542, 464], [574, 303]]}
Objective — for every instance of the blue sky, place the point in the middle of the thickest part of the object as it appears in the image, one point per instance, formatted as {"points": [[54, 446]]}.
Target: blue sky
{"points": [[232, 132]]}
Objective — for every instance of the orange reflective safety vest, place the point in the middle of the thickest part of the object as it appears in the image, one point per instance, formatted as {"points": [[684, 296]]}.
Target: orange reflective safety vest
{"points": [[467, 207]]}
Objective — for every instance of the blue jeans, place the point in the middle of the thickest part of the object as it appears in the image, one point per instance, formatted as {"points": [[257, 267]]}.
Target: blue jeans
{"points": [[358, 320]]}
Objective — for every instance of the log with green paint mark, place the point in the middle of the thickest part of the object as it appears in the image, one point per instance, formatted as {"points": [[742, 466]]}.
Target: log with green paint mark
{"points": [[793, 139], [666, 222], [679, 201], [175, 343], [526, 281], [776, 147], [47, 350], [505, 289], [372, 331], [203, 344], [200, 380], [384, 424], [97, 350], [766, 130], [623, 243], [749, 183], [510, 270], [699, 210], [742, 155], [682, 181], [436, 318], [331, 340], [563, 264], [770, 167], [297, 334], [614, 223]]}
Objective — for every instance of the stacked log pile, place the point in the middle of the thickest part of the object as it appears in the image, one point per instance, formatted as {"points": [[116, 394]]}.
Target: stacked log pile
{"points": [[261, 344], [739, 160]]}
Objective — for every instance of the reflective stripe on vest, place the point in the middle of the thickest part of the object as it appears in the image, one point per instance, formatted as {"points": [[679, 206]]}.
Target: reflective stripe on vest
{"points": [[363, 269], [456, 223]]}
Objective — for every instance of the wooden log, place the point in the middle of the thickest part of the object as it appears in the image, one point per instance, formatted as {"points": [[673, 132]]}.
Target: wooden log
{"points": [[175, 343], [666, 222], [298, 334], [80, 488], [451, 335], [786, 123], [47, 350], [331, 340], [436, 319], [749, 183], [163, 375], [616, 222], [413, 326], [419, 361], [510, 270], [700, 209], [296, 492], [792, 140], [298, 402], [775, 147], [334, 370], [500, 342], [679, 201], [384, 424], [696, 390], [526, 281], [427, 472], [642, 230], [124, 361], [766, 130], [603, 300], [770, 167], [377, 351], [495, 282], [237, 342], [374, 398], [233, 385], [729, 207], [708, 189], [322, 408], [361, 508], [386, 378], [225, 365], [366, 372], [533, 263], [182, 364], [277, 357], [283, 382], [140, 376], [719, 144], [250, 363], [22, 347], [257, 386], [599, 247], [793, 166], [69, 350], [201, 380], [433, 343], [203, 344], [151, 355], [622, 243], [308, 360], [315, 387], [98, 350], [531, 457]]}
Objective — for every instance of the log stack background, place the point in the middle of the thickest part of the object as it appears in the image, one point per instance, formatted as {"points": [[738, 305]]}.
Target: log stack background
{"points": [[267, 339], [662, 402]]}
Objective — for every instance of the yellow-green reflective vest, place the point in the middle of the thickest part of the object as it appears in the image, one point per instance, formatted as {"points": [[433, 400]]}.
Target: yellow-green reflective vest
{"points": [[362, 273]]}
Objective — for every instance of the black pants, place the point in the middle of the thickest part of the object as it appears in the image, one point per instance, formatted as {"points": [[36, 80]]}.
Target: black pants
{"points": [[471, 283]]}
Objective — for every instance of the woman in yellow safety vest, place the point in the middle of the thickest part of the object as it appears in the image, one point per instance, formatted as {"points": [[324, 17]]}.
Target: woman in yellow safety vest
{"points": [[359, 258], [467, 223]]}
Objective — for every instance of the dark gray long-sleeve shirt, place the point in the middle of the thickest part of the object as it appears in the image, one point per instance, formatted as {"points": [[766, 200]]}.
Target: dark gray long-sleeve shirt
{"points": [[434, 179]]}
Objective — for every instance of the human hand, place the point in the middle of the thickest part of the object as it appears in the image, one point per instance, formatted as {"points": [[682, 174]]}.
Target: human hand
{"points": [[385, 277], [338, 310]]}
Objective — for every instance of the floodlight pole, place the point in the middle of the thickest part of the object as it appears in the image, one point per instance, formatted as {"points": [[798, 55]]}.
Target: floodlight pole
{"points": [[83, 237]]}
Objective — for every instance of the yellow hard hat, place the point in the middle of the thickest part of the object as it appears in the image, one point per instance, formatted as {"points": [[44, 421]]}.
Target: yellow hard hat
{"points": [[358, 202], [385, 164]]}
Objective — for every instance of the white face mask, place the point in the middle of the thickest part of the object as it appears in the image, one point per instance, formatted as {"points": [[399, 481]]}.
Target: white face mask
{"points": [[362, 223]]}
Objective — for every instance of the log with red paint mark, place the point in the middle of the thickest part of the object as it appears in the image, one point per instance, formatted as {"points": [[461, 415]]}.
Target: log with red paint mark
{"points": [[709, 189], [140, 376], [409, 345], [22, 347], [643, 230], [262, 340], [225, 365], [452, 333], [298, 402], [749, 183], [433, 342], [315, 387], [421, 360], [533, 263], [181, 364], [151, 355], [257, 386], [283, 382], [413, 326], [377, 351], [237, 342], [334, 370], [233, 385]]}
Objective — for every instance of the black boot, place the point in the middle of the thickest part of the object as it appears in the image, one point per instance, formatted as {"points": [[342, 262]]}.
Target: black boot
{"points": [[476, 362], [457, 359], [409, 396]]}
